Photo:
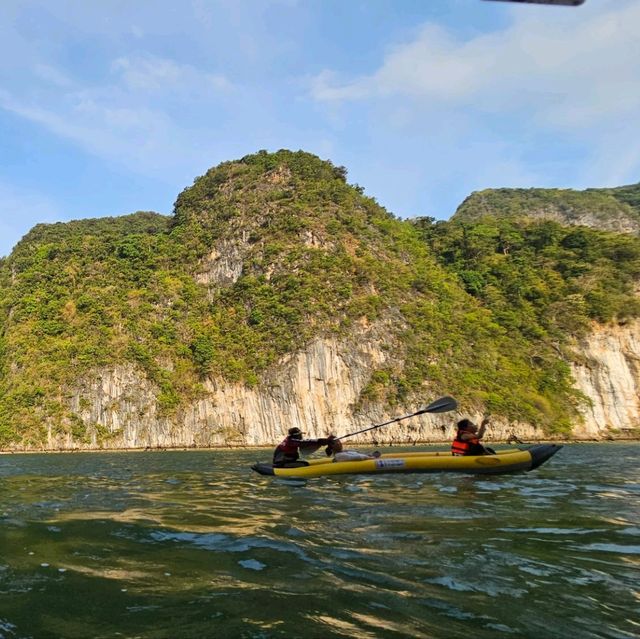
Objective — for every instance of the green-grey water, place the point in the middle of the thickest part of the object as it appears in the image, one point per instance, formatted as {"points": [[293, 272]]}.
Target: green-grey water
{"points": [[193, 544]]}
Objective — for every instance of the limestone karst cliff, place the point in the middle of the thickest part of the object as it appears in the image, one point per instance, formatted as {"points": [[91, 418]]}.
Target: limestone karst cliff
{"points": [[318, 388], [608, 373], [277, 294]]}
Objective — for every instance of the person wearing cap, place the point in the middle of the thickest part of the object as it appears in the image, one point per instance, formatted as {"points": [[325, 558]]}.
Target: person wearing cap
{"points": [[336, 449], [467, 440], [287, 452]]}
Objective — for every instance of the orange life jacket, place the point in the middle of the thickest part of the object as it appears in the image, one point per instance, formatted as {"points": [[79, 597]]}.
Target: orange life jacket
{"points": [[461, 446]]}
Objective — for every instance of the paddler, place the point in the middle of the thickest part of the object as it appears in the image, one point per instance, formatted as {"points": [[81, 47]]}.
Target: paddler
{"points": [[287, 452], [468, 436]]}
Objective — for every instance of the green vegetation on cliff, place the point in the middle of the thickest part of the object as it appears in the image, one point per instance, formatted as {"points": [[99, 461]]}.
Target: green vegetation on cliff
{"points": [[546, 281], [267, 253], [629, 194], [606, 209]]}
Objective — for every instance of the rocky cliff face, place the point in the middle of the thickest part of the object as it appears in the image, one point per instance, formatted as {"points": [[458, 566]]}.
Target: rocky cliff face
{"points": [[609, 376], [317, 390], [590, 217]]}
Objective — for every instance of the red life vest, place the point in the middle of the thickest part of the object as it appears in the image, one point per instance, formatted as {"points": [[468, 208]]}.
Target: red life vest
{"points": [[289, 446], [461, 446], [286, 451]]}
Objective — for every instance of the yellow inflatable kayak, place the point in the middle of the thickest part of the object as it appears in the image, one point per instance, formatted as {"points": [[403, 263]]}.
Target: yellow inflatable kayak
{"points": [[506, 461]]}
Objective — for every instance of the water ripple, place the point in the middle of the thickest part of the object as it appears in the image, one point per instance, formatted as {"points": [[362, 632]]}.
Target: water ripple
{"points": [[186, 544]]}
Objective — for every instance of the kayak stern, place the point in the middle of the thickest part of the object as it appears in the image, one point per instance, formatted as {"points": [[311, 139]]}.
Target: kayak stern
{"points": [[263, 469]]}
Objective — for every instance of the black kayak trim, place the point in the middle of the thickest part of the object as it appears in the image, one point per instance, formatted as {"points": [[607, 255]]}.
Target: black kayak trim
{"points": [[263, 469], [542, 452]]}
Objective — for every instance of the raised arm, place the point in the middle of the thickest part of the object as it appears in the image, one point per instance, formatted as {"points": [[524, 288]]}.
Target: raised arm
{"points": [[483, 426]]}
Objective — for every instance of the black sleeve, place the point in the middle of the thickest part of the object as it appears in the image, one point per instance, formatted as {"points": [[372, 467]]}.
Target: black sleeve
{"points": [[322, 441]]}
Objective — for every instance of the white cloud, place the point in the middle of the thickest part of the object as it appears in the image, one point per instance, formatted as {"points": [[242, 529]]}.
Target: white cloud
{"points": [[147, 72], [570, 69], [128, 118], [133, 136], [126, 84], [434, 66]]}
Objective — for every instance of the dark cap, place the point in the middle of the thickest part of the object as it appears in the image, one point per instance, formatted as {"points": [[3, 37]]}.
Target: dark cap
{"points": [[464, 424], [295, 432]]}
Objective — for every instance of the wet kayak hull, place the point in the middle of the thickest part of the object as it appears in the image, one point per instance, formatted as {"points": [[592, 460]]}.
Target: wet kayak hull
{"points": [[503, 462]]}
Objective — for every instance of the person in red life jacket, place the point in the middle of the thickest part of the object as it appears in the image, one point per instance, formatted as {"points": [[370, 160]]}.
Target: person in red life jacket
{"points": [[287, 452], [467, 441]]}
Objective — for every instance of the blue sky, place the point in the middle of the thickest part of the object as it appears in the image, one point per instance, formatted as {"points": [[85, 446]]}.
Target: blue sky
{"points": [[115, 106]]}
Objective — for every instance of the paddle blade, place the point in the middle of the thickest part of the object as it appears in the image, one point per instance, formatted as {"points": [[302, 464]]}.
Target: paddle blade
{"points": [[442, 405]]}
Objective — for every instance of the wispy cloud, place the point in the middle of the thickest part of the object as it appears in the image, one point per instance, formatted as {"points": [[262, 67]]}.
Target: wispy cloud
{"points": [[550, 99], [123, 119], [137, 136], [147, 72], [570, 70], [434, 66]]}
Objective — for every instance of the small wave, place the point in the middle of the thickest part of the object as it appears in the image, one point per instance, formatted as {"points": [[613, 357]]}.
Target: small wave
{"points": [[615, 548], [464, 586], [500, 627], [227, 543], [252, 564], [553, 531], [8, 628]]}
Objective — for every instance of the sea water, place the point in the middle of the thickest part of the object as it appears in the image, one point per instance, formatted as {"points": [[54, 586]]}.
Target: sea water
{"points": [[194, 545]]}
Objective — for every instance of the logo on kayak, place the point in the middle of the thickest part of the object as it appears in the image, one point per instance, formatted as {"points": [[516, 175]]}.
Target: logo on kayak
{"points": [[488, 460], [390, 463]]}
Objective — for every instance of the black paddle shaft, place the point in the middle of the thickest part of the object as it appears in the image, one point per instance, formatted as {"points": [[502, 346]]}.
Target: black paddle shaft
{"points": [[442, 405]]}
